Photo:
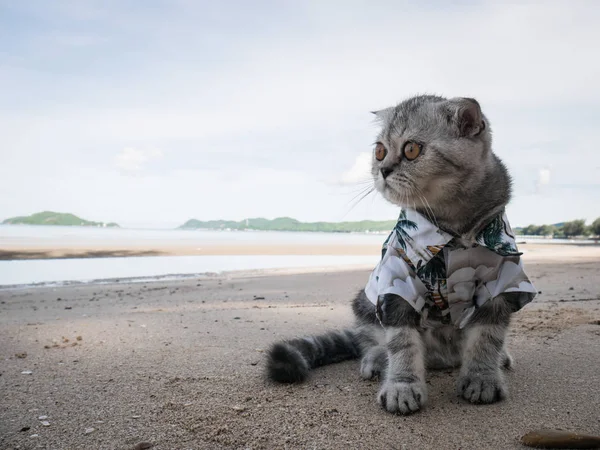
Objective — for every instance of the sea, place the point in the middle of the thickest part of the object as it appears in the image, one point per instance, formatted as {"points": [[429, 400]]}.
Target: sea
{"points": [[44, 272]]}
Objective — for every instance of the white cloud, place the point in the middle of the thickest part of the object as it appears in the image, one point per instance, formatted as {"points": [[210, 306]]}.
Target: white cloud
{"points": [[543, 177], [360, 171], [134, 160]]}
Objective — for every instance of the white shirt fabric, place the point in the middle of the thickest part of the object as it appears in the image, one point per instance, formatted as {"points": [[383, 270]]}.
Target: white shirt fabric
{"points": [[442, 278]]}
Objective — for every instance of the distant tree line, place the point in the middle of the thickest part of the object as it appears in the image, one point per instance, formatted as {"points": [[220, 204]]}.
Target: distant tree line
{"points": [[289, 224], [566, 229]]}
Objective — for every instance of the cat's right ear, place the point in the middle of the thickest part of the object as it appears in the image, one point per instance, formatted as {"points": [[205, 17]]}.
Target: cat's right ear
{"points": [[467, 116], [384, 115]]}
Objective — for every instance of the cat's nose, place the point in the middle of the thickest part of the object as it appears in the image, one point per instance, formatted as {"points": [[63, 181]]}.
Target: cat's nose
{"points": [[385, 171]]}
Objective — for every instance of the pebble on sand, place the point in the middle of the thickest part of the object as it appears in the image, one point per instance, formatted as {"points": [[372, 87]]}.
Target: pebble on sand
{"points": [[45, 423], [27, 372], [42, 417], [89, 430]]}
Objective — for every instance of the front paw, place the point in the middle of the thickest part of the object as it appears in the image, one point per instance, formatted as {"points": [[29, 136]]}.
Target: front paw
{"points": [[373, 363], [402, 397], [482, 387]]}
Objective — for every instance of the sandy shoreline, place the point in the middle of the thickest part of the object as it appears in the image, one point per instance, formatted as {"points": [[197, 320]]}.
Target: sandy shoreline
{"points": [[37, 251], [179, 364], [8, 252], [98, 270]]}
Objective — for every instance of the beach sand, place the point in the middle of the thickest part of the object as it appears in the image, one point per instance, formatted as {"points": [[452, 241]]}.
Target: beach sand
{"points": [[12, 250], [179, 364], [17, 251]]}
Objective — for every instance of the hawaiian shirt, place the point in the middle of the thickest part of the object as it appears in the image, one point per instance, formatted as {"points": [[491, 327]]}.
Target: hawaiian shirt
{"points": [[441, 277]]}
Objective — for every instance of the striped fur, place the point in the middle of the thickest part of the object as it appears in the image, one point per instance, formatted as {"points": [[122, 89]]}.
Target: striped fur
{"points": [[290, 361]]}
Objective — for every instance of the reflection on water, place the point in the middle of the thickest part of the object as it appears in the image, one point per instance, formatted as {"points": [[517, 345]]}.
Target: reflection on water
{"points": [[93, 269], [39, 271], [65, 236]]}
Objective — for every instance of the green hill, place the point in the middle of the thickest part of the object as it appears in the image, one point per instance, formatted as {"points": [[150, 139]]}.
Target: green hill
{"points": [[55, 218], [289, 224]]}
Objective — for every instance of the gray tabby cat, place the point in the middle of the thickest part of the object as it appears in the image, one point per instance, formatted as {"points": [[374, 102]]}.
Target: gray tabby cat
{"points": [[453, 177]]}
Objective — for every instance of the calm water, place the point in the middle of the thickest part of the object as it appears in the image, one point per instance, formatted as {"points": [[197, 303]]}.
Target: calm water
{"points": [[45, 271], [93, 269], [63, 236]]}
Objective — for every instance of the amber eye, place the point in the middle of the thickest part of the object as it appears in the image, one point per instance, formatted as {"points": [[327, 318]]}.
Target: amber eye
{"points": [[412, 150], [380, 151]]}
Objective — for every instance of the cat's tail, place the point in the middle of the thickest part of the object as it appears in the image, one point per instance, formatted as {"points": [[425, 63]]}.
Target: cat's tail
{"points": [[290, 361]]}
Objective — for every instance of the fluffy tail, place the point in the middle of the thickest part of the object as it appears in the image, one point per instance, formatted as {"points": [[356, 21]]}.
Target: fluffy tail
{"points": [[290, 361]]}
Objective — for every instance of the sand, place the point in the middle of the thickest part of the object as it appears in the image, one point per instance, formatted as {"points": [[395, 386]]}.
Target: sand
{"points": [[8, 252], [15, 250], [179, 365]]}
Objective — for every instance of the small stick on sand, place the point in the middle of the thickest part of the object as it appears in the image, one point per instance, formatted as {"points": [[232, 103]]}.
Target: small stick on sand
{"points": [[559, 439]]}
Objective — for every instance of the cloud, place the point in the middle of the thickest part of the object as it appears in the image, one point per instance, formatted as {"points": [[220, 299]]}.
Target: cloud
{"points": [[544, 176], [542, 180], [360, 171], [134, 160]]}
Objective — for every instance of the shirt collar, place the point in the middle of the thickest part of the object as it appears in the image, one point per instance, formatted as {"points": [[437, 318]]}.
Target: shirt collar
{"points": [[420, 239]]}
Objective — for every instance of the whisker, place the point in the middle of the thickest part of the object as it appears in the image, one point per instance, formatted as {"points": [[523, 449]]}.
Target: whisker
{"points": [[415, 208], [431, 213], [369, 191], [362, 191], [360, 186]]}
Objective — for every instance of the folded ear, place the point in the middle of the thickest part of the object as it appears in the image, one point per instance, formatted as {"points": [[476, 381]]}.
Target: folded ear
{"points": [[384, 115], [467, 116]]}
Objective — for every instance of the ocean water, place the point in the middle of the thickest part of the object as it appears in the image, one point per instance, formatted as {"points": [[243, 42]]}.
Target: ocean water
{"points": [[30, 235], [44, 271], [27, 272]]}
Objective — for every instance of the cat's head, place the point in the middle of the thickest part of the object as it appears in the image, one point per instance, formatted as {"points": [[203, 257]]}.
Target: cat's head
{"points": [[430, 150]]}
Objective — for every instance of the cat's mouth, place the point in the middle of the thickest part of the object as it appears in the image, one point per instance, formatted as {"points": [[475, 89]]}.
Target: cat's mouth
{"points": [[397, 193]]}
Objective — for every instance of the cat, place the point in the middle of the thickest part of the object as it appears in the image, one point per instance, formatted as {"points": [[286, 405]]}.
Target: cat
{"points": [[433, 157]]}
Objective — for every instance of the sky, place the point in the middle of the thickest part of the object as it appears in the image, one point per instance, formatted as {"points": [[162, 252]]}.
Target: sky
{"points": [[151, 113]]}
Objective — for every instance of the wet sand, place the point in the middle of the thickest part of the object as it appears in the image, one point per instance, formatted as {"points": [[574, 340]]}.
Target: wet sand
{"points": [[10, 251], [179, 365], [107, 251]]}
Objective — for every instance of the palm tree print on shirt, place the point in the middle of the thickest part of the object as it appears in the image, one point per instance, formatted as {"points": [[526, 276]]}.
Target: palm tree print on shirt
{"points": [[400, 231], [402, 225], [493, 237], [385, 245], [434, 272]]}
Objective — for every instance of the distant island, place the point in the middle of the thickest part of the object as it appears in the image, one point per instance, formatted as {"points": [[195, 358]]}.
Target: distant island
{"points": [[575, 228], [55, 218], [289, 224]]}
